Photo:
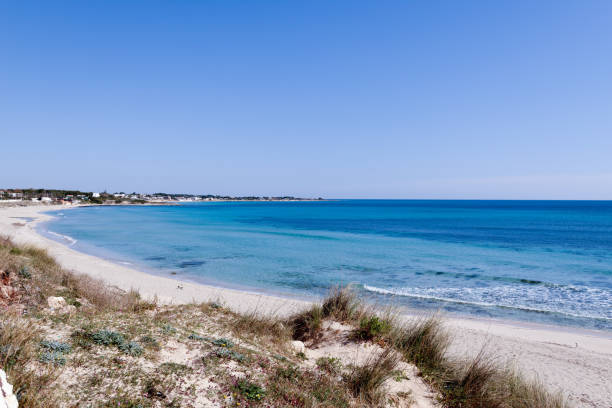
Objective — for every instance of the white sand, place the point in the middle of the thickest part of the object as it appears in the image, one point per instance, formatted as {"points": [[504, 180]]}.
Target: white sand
{"points": [[576, 362]]}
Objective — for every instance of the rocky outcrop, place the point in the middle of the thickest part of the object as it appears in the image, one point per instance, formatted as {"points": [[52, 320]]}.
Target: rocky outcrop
{"points": [[57, 304]]}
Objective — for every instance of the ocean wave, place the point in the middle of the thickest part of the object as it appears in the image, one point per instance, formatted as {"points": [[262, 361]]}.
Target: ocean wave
{"points": [[574, 301], [71, 241]]}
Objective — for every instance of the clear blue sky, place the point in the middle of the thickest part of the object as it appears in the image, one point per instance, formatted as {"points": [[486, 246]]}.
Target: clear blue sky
{"points": [[397, 99]]}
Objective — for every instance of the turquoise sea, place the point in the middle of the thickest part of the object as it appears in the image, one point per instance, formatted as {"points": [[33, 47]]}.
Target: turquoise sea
{"points": [[539, 261]]}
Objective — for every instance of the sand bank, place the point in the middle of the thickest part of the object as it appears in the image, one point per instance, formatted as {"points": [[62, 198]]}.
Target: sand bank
{"points": [[577, 362]]}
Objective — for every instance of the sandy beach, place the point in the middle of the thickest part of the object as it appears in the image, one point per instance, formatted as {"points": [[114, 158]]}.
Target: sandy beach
{"points": [[576, 362]]}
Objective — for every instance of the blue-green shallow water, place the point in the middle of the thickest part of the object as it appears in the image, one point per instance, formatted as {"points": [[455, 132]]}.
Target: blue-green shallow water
{"points": [[542, 261]]}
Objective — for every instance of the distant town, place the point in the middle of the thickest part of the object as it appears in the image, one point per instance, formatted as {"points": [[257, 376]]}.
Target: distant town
{"points": [[80, 197]]}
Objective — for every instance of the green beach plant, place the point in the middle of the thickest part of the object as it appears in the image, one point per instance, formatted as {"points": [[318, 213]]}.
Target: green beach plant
{"points": [[250, 390], [371, 327], [223, 342], [132, 348]]}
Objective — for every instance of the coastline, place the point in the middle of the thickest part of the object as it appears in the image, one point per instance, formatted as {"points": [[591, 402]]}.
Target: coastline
{"points": [[165, 289], [578, 362]]}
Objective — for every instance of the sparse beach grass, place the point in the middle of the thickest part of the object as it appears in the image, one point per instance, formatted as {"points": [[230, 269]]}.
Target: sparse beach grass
{"points": [[109, 348]]}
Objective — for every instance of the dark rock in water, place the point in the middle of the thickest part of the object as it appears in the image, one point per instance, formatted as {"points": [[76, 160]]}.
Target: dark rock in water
{"points": [[181, 248], [189, 264], [155, 258]]}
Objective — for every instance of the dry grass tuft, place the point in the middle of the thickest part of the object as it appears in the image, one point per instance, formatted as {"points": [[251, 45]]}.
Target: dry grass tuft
{"points": [[49, 279], [366, 381], [307, 324], [18, 353], [261, 325], [530, 394], [341, 304], [422, 341], [481, 383], [473, 385]]}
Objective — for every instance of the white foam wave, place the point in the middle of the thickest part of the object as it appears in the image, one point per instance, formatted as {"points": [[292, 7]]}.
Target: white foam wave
{"points": [[71, 241], [574, 301]]}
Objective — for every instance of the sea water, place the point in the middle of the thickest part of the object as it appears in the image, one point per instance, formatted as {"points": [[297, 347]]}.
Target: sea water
{"points": [[542, 261]]}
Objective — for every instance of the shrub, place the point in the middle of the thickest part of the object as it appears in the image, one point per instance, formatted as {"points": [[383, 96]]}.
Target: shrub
{"points": [[223, 342], [291, 373], [52, 357], [24, 272], [84, 338], [108, 338], [230, 354], [63, 348], [251, 391], [132, 348], [194, 336], [372, 327]]}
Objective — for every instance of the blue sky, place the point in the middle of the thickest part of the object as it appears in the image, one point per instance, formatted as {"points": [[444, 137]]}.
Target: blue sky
{"points": [[376, 99]]}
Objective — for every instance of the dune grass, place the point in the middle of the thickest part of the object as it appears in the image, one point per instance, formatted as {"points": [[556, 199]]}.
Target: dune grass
{"points": [[423, 341], [366, 381]]}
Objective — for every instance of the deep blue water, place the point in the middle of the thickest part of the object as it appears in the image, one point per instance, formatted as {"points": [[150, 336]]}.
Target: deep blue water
{"points": [[543, 261]]}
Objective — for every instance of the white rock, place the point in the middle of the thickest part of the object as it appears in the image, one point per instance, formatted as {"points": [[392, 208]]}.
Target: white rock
{"points": [[67, 309], [56, 302], [7, 398], [298, 346]]}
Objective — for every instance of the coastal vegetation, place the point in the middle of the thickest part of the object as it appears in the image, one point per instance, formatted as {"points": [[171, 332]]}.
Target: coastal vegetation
{"points": [[79, 342]]}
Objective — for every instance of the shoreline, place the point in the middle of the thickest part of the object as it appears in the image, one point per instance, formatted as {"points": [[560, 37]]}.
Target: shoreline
{"points": [[149, 285], [576, 361]]}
